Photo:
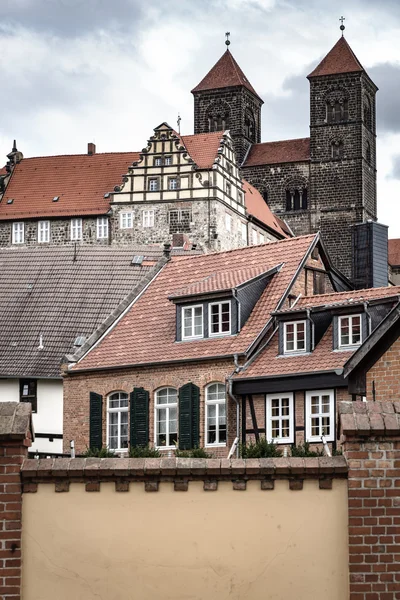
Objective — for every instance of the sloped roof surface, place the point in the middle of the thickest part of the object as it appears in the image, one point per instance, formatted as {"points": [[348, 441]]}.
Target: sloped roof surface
{"points": [[341, 59], [225, 73], [394, 252], [347, 298], [80, 181], [203, 147], [45, 292], [151, 321], [271, 153], [256, 206]]}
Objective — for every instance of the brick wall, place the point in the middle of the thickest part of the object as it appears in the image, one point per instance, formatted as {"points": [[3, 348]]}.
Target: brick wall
{"points": [[371, 445], [383, 379]]}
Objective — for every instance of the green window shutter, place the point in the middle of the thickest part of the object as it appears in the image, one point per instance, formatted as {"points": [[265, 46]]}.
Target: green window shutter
{"points": [[96, 421], [189, 420], [139, 415]]}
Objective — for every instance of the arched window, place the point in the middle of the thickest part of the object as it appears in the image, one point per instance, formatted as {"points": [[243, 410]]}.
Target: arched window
{"points": [[337, 110], [296, 198], [215, 415], [368, 153], [249, 125], [337, 149], [166, 418], [367, 113], [117, 419], [218, 116], [264, 194]]}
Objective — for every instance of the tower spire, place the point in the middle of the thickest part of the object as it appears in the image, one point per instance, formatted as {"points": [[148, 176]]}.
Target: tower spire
{"points": [[342, 27], [227, 41]]}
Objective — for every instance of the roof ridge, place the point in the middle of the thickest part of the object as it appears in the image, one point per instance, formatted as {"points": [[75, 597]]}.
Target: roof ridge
{"points": [[281, 141], [78, 155], [356, 292]]}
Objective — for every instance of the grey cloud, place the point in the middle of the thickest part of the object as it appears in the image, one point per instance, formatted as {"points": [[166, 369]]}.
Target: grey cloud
{"points": [[395, 174], [288, 116], [387, 78]]}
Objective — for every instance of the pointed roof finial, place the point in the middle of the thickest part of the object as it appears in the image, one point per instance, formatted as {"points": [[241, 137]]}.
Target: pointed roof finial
{"points": [[342, 27], [14, 148], [178, 121], [227, 34]]}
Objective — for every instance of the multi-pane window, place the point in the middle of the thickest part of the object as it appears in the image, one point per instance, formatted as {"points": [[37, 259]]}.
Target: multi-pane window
{"points": [[102, 228], [228, 189], [294, 336], [168, 160], [43, 232], [166, 421], [148, 218], [76, 229], [220, 318], [192, 321], [173, 183], [28, 392], [320, 415], [280, 418], [154, 185], [117, 413], [215, 415], [349, 331], [228, 222], [126, 219], [240, 198], [158, 161], [18, 233]]}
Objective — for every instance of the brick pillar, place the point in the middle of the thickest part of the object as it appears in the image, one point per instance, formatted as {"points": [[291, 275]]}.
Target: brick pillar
{"points": [[371, 444], [15, 439]]}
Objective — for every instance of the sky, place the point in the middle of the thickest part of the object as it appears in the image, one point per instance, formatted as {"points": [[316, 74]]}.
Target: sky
{"points": [[109, 71]]}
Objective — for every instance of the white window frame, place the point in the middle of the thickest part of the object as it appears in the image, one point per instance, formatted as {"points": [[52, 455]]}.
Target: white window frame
{"points": [[228, 222], [261, 238], [167, 407], [220, 333], [319, 415], [44, 232], [119, 410], [102, 228], [228, 188], [254, 237], [192, 308], [128, 217], [176, 183], [76, 230], [155, 180], [148, 218], [295, 350], [350, 344], [217, 402], [158, 161], [243, 227], [18, 232], [269, 417], [168, 161]]}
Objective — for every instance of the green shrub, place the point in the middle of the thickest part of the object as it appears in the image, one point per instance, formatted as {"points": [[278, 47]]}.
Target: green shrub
{"points": [[194, 453], [98, 453], [260, 449], [303, 451], [144, 452]]}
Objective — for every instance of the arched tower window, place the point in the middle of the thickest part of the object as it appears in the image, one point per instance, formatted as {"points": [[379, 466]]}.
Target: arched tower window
{"points": [[368, 153], [367, 113], [218, 117], [249, 125], [337, 149], [296, 197], [337, 111], [264, 194]]}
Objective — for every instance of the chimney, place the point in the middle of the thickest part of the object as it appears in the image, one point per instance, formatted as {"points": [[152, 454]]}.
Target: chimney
{"points": [[370, 255], [167, 250], [91, 148]]}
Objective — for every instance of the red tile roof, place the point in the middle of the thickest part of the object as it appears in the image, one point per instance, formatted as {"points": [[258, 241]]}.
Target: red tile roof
{"points": [[256, 206], [225, 73], [269, 363], [203, 147], [347, 298], [80, 181], [394, 252], [341, 59], [270, 153], [151, 320]]}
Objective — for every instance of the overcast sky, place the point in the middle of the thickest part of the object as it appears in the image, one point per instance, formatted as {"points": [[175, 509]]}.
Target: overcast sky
{"points": [[109, 71]]}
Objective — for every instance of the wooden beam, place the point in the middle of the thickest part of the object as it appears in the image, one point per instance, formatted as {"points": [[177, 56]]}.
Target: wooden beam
{"points": [[254, 418]]}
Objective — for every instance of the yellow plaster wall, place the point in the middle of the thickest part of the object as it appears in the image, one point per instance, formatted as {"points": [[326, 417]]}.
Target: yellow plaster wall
{"points": [[253, 544]]}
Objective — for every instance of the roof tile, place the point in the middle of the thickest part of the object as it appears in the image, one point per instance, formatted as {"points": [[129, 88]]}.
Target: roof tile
{"points": [[341, 59], [285, 151]]}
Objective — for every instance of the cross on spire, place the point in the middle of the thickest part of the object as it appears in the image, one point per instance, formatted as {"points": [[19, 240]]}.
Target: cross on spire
{"points": [[342, 27], [227, 34]]}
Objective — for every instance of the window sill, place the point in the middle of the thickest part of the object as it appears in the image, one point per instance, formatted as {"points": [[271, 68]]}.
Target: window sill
{"points": [[317, 440], [347, 348], [215, 445], [292, 354]]}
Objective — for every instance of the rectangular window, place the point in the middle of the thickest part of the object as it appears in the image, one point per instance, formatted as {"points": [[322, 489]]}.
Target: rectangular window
{"points": [[349, 331], [220, 318], [18, 233], [173, 183], [280, 418], [166, 418], [192, 322], [254, 237], [44, 232], [215, 415], [228, 222], [76, 229], [126, 219], [320, 415], [148, 218], [228, 189], [117, 415], [262, 238], [28, 392], [243, 227], [294, 336], [168, 160], [102, 228], [158, 161], [240, 197], [153, 185]]}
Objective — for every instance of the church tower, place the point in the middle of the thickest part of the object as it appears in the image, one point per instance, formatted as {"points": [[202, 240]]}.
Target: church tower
{"points": [[225, 99], [342, 150]]}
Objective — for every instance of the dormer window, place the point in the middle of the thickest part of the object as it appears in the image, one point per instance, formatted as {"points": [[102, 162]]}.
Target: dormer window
{"points": [[350, 331], [294, 337], [220, 318], [192, 326]]}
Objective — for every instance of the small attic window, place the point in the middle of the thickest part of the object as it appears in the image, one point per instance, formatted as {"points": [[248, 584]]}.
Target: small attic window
{"points": [[137, 260], [56, 198], [10, 200], [79, 340]]}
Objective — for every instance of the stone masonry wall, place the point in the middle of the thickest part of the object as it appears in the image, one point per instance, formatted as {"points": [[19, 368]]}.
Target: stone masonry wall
{"points": [[60, 233]]}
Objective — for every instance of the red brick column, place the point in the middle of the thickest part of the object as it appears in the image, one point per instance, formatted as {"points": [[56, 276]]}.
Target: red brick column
{"points": [[15, 439], [371, 438]]}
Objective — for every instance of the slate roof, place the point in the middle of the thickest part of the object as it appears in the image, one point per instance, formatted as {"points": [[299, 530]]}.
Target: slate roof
{"points": [[151, 321], [394, 252], [341, 59], [225, 73], [44, 291], [285, 151]]}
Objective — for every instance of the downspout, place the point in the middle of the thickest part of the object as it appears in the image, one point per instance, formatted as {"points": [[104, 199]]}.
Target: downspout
{"points": [[230, 394]]}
